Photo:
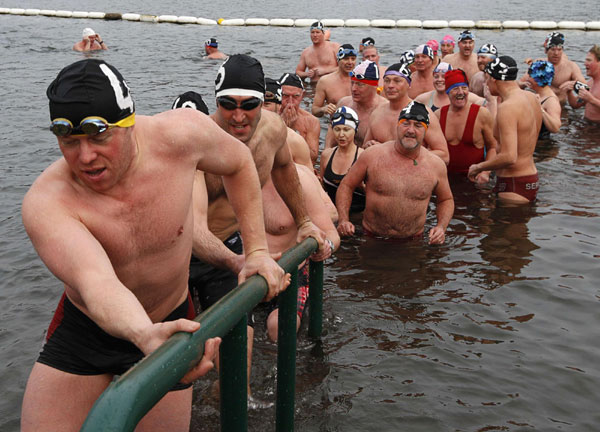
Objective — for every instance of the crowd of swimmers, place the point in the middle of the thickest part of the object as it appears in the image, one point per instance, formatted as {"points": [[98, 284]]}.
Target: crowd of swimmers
{"points": [[147, 219]]}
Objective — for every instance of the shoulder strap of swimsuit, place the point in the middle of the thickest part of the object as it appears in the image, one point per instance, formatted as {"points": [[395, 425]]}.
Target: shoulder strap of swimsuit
{"points": [[328, 169], [431, 98], [443, 115], [355, 155], [471, 118]]}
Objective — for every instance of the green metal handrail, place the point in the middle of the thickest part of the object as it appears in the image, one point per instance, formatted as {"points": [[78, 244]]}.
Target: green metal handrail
{"points": [[129, 397]]}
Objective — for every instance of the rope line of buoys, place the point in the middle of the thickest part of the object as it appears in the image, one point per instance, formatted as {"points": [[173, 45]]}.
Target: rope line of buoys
{"points": [[306, 22]]}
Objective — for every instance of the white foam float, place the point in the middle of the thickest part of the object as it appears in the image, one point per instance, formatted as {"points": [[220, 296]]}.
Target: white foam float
{"points": [[354, 22], [257, 22], [64, 14], [383, 23], [231, 22], [515, 24], [465, 24], [435, 24], [31, 12], [408, 23], [282, 22], [592, 25], [167, 18], [4, 10], [304, 22], [148, 18], [183, 19], [47, 12], [206, 21], [16, 11], [333, 22], [571, 25], [96, 15], [80, 14], [543, 25], [488, 24], [131, 16]]}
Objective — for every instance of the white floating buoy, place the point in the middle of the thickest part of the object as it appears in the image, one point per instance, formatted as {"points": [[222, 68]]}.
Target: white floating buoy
{"points": [[332, 22], [148, 18], [384, 23], [257, 22], [435, 24], [543, 25], [16, 11], [31, 12], [4, 10], [48, 12], [131, 16], [488, 24], [465, 24], [304, 22], [187, 20], [515, 24], [167, 18], [592, 25], [357, 23], [231, 22], [64, 14], [282, 22], [206, 21], [80, 14], [406, 23], [96, 15], [571, 25]]}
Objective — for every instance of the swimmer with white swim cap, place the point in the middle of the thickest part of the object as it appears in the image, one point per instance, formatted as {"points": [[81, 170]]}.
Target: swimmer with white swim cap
{"points": [[90, 41]]}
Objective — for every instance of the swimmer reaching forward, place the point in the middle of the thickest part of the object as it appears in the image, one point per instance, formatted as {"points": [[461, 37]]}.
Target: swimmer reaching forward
{"points": [[117, 230]]}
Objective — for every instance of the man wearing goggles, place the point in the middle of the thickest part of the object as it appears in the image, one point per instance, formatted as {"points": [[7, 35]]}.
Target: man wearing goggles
{"points": [[465, 58], [118, 202], [320, 58], [382, 122], [211, 47], [331, 88], [397, 169]]}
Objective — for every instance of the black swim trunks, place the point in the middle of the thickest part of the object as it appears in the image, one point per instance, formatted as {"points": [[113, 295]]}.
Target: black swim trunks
{"points": [[210, 283], [75, 344]]}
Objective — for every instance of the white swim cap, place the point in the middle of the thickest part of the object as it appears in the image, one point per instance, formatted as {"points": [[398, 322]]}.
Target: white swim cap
{"points": [[87, 32]]}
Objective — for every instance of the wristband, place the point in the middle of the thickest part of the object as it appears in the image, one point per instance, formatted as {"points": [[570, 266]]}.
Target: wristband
{"points": [[101, 42], [330, 244]]}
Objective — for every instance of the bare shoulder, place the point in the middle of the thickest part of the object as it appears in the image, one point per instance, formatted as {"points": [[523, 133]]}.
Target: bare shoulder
{"points": [[435, 161], [424, 97], [272, 127], [345, 101]]}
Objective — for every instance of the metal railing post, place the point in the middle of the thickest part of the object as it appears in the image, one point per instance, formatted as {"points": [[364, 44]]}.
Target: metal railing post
{"points": [[315, 299], [233, 378]]}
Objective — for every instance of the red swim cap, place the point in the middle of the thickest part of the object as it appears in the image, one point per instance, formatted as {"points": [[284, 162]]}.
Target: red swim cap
{"points": [[455, 78]]}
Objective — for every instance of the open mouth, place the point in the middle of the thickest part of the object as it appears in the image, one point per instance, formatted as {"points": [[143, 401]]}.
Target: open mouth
{"points": [[94, 174]]}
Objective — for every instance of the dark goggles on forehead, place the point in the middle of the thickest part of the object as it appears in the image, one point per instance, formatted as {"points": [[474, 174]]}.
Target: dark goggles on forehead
{"points": [[417, 117], [92, 125], [345, 115], [272, 97], [231, 104], [486, 50]]}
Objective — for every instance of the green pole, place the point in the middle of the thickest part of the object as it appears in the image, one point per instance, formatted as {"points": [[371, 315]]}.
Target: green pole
{"points": [[315, 299], [233, 378], [286, 357]]}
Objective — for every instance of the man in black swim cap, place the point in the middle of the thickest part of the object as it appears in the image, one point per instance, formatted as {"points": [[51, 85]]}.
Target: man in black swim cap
{"points": [[190, 99], [211, 47], [318, 59], [240, 92], [518, 120], [396, 169], [112, 219]]}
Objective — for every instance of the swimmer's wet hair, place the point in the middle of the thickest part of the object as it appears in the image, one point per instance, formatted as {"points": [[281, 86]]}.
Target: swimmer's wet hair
{"points": [[596, 51]]}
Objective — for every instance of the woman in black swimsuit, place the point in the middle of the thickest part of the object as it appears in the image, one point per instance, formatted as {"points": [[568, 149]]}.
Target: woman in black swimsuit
{"points": [[336, 161]]}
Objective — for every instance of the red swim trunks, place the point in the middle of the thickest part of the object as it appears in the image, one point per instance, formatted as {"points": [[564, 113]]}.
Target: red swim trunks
{"points": [[526, 186]]}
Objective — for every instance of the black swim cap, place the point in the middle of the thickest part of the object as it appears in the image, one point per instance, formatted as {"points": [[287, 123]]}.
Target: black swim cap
{"points": [[555, 39], [415, 111], [400, 69], [192, 100], [89, 87], [290, 79], [317, 25], [273, 91], [503, 68], [240, 75], [368, 41]]}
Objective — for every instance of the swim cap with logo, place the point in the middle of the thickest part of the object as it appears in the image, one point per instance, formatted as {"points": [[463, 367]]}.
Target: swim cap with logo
{"points": [[87, 32], [317, 25], [504, 68], [345, 116], [366, 72], [424, 49], [442, 67], [399, 69], [555, 39], [213, 42], [415, 111], [407, 57], [291, 79], [489, 50], [466, 34], [272, 91], [240, 75], [192, 100], [346, 50], [455, 78], [89, 87], [368, 41], [542, 72]]}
